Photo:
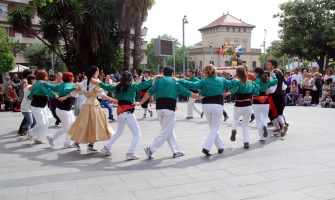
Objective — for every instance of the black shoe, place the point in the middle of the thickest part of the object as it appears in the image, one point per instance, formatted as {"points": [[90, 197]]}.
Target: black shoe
{"points": [[202, 115], [265, 132], [233, 135], [240, 120], [189, 117], [262, 141], [270, 124], [220, 150], [277, 130], [151, 113], [111, 118], [246, 145], [252, 117], [206, 152], [225, 118]]}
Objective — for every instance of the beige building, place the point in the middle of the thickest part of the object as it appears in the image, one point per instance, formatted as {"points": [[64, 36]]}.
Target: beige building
{"points": [[225, 29]]}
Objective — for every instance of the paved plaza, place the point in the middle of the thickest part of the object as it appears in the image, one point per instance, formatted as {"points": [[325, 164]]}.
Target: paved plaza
{"points": [[299, 166]]}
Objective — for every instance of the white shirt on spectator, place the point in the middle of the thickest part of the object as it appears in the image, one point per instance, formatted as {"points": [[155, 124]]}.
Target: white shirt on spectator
{"points": [[110, 81], [298, 78], [25, 105]]}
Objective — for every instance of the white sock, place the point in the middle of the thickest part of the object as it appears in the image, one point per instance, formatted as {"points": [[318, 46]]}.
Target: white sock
{"points": [[145, 110]]}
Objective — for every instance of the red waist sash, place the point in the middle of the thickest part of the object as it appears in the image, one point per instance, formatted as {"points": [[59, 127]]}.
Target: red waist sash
{"points": [[143, 93], [261, 99], [122, 108]]}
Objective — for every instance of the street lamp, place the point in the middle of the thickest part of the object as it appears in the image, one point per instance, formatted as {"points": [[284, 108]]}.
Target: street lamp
{"points": [[174, 55], [211, 46], [264, 46], [188, 57], [184, 22]]}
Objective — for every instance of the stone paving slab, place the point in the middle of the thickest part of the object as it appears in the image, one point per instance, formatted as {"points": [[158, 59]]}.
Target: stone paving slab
{"points": [[299, 166]]}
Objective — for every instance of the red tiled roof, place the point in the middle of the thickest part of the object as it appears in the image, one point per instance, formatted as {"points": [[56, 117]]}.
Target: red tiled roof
{"points": [[227, 20]]}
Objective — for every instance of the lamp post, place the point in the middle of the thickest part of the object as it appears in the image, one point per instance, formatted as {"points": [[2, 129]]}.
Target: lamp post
{"points": [[211, 46], [184, 22], [264, 47], [187, 60], [174, 55]]}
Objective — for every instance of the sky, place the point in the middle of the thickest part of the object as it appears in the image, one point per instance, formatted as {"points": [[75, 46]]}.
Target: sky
{"points": [[166, 18]]}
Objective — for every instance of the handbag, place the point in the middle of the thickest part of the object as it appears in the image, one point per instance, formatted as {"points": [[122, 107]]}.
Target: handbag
{"points": [[314, 88]]}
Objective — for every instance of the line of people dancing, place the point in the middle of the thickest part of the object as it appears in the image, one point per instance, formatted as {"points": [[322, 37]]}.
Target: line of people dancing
{"points": [[264, 97]]}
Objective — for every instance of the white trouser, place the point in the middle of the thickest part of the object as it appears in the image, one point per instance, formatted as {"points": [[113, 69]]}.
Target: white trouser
{"points": [[261, 112], [67, 119], [245, 112], [167, 121], [42, 122], [131, 121], [213, 113], [190, 106]]}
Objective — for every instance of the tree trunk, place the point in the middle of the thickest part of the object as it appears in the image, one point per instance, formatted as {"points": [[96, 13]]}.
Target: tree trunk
{"points": [[126, 48], [137, 44], [320, 63]]}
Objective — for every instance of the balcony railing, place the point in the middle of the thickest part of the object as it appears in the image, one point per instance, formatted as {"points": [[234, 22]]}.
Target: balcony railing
{"points": [[3, 18], [144, 60], [143, 31], [144, 45], [19, 1]]}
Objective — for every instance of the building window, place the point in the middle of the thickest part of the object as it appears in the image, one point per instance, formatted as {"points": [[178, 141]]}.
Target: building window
{"points": [[233, 29], [227, 29], [239, 30], [253, 64], [200, 64], [245, 30], [3, 10], [227, 63]]}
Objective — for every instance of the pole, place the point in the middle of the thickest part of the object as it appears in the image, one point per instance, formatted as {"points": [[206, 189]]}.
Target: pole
{"points": [[284, 62], [164, 61], [183, 46], [264, 47], [212, 54], [52, 62], [188, 58], [174, 56]]}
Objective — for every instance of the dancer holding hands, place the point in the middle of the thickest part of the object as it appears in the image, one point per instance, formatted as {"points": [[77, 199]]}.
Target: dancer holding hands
{"points": [[244, 91], [212, 87], [125, 92], [260, 104]]}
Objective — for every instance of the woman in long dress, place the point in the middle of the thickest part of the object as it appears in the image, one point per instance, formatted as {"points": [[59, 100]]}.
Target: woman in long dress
{"points": [[91, 124]]}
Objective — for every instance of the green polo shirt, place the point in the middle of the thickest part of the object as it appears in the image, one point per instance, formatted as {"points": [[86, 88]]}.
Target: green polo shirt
{"points": [[212, 86], [63, 89], [249, 88], [168, 88], [263, 87], [131, 92], [40, 90]]}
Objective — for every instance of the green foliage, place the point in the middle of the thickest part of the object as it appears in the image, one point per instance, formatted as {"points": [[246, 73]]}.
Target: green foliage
{"points": [[7, 62], [84, 26], [153, 60], [110, 57], [307, 30], [39, 55], [305, 64], [271, 51]]}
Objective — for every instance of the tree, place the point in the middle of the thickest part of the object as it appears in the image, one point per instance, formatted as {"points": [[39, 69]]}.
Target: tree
{"points": [[83, 26], [140, 8], [307, 30], [39, 55], [7, 58]]}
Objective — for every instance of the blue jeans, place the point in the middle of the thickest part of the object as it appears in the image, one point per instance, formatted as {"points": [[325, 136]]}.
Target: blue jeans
{"points": [[30, 121], [291, 104], [108, 106], [307, 104]]}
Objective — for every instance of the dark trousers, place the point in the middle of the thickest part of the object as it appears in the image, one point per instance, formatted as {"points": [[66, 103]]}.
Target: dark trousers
{"points": [[315, 96], [54, 103], [24, 121]]}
